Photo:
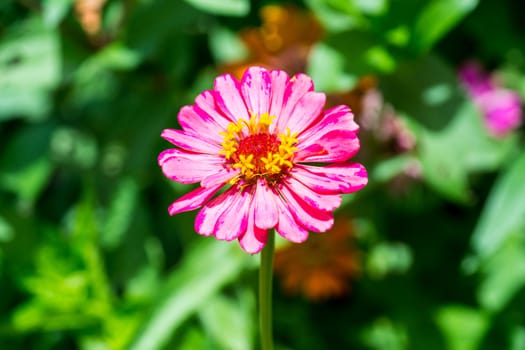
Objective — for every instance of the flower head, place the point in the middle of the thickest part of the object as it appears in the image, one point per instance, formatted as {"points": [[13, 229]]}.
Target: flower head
{"points": [[322, 267], [501, 107], [259, 140]]}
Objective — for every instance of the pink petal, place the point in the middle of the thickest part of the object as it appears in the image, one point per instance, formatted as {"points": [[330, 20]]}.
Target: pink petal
{"points": [[193, 199], [344, 178], [254, 239], [287, 226], [220, 177], [234, 218], [201, 123], [256, 87], [188, 168], [206, 107], [279, 81], [307, 109], [229, 99], [502, 109], [336, 118], [211, 212], [265, 206], [190, 142], [297, 86], [327, 202], [334, 146], [309, 217]]}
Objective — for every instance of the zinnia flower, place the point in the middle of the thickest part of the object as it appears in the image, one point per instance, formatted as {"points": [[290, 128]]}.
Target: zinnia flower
{"points": [[501, 107], [322, 267], [258, 139]]}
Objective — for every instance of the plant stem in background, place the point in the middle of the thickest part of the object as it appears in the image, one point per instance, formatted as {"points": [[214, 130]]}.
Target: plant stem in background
{"points": [[265, 293]]}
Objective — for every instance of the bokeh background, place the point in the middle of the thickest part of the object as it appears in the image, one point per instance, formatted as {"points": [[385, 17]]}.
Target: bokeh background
{"points": [[430, 255]]}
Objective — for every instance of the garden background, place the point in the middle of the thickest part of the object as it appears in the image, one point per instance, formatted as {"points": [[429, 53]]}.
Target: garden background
{"points": [[430, 255]]}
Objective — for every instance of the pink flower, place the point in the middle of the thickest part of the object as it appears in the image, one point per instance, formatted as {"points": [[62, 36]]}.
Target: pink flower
{"points": [[500, 107], [258, 139]]}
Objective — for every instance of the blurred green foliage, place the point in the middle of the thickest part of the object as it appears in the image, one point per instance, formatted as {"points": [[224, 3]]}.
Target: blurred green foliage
{"points": [[90, 259]]}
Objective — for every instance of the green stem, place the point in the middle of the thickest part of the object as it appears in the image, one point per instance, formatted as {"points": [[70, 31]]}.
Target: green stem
{"points": [[265, 293]]}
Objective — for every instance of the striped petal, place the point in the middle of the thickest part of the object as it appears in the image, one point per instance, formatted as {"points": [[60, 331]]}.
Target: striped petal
{"points": [[187, 167], [340, 178], [190, 142], [309, 217], [254, 239], [193, 199], [255, 88], [288, 227], [229, 99], [265, 206]]}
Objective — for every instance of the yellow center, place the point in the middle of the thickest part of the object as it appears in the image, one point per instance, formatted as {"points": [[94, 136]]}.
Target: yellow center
{"points": [[249, 146]]}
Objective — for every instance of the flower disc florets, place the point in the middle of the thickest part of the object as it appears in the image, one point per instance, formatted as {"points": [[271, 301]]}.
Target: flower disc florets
{"points": [[250, 147]]}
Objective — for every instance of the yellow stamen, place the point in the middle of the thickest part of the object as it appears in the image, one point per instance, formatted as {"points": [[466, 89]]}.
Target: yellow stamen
{"points": [[280, 153]]}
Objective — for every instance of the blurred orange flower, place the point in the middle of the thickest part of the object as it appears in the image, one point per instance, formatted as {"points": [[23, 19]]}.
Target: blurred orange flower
{"points": [[322, 267], [89, 14], [282, 42]]}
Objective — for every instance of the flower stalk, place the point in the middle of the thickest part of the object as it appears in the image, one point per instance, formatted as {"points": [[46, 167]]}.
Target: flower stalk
{"points": [[265, 293]]}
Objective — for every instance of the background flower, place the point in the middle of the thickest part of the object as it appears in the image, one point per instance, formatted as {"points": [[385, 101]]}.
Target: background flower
{"points": [[501, 108], [321, 268]]}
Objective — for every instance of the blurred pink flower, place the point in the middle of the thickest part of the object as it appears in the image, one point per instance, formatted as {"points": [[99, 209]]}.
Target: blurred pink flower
{"points": [[258, 138], [501, 107]]}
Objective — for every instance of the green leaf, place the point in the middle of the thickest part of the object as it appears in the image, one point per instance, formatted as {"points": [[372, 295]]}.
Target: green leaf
{"points": [[226, 46], [26, 167], [223, 7], [462, 326], [365, 55], [391, 167], [437, 18], [332, 18], [503, 273], [384, 334], [6, 230], [208, 267], [463, 147], [326, 67], [120, 213], [29, 70], [518, 338], [54, 11], [504, 212], [236, 314]]}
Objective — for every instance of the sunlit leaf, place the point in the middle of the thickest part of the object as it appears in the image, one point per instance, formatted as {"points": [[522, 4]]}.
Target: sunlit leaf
{"points": [[383, 334], [518, 338], [326, 67], [6, 231], [504, 212], [224, 7], [332, 18], [237, 314], [55, 10], [29, 70], [503, 273], [437, 18], [462, 326], [120, 213], [206, 268], [465, 146], [226, 46]]}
